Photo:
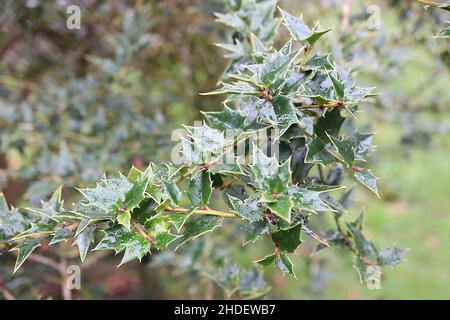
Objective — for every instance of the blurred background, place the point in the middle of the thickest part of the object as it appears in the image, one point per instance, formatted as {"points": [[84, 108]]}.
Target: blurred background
{"points": [[77, 103]]}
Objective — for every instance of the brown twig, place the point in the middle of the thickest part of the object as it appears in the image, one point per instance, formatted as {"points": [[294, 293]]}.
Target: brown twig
{"points": [[139, 228], [46, 261], [313, 235]]}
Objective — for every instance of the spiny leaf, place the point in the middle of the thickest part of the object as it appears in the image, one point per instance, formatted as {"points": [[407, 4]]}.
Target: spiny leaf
{"points": [[254, 231], [338, 86], [268, 173], [361, 143], [124, 218], [248, 209], [62, 234], [299, 30], [281, 206], [316, 153], [391, 256], [83, 241], [200, 188], [267, 260], [25, 248], [367, 272], [225, 120], [196, 228], [365, 248], [308, 200], [284, 263], [136, 194], [173, 191], [107, 193], [119, 239], [367, 178], [345, 149], [287, 239], [11, 221], [330, 124], [178, 219]]}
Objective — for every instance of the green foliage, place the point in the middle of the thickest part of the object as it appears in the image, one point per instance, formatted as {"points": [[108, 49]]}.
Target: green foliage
{"points": [[303, 99]]}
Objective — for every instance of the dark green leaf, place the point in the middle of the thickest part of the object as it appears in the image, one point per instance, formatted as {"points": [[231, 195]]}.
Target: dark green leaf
{"points": [[267, 260], [345, 150], [225, 120], [329, 124], [200, 189], [316, 153], [287, 239]]}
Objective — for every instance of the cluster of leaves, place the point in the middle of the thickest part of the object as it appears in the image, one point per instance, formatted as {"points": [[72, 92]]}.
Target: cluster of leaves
{"points": [[304, 98], [411, 105], [59, 100]]}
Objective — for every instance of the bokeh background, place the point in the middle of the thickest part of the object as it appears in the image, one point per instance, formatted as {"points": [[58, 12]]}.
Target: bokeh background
{"points": [[77, 103]]}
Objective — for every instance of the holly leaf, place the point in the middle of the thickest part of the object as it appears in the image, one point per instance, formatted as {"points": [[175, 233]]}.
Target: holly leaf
{"points": [[329, 125], [49, 209], [107, 193], [267, 260], [163, 239], [241, 88], [25, 248], [308, 200], [171, 188], [392, 256], [62, 234], [365, 248], [255, 230], [367, 272], [276, 65], [284, 263], [338, 86], [287, 239], [178, 219], [200, 189], [119, 239], [361, 143], [345, 149], [281, 205], [124, 218], [368, 179], [269, 175], [11, 221], [316, 154], [249, 209], [227, 119], [83, 241], [299, 30], [136, 194], [285, 113], [157, 228], [198, 227]]}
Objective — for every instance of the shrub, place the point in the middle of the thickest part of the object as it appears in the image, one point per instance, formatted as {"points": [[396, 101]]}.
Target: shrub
{"points": [[278, 153]]}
